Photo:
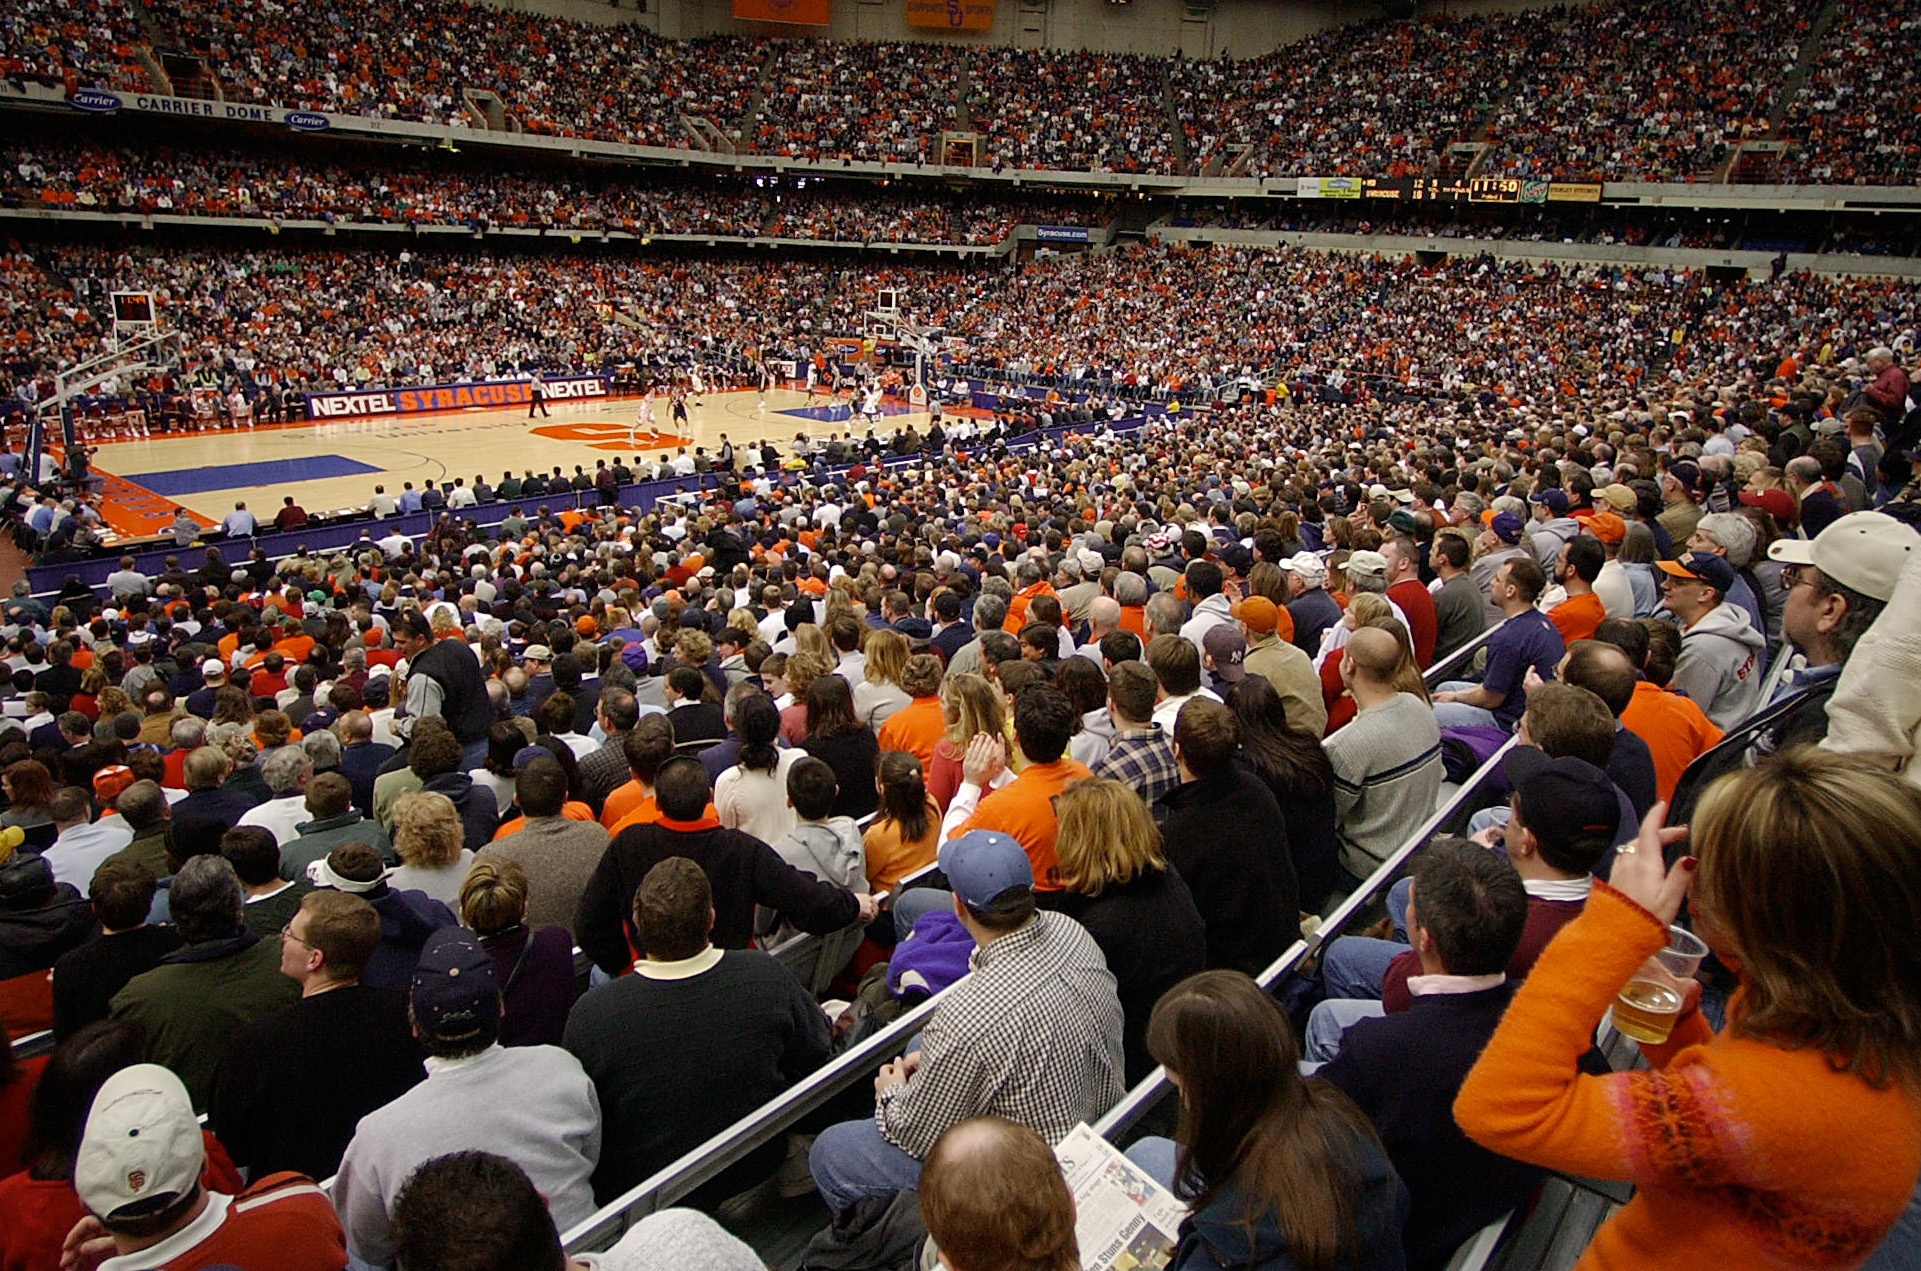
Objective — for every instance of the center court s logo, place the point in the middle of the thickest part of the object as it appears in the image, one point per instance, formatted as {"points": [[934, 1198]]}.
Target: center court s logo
{"points": [[607, 436]]}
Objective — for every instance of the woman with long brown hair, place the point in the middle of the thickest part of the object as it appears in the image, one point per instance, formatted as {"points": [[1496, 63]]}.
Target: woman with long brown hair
{"points": [[1792, 1137], [1279, 1171], [905, 832], [836, 736]]}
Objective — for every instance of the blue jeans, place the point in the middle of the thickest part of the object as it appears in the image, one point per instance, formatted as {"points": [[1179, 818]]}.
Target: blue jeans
{"points": [[910, 905], [1354, 966], [1901, 1251], [1329, 1020], [1155, 1155], [1460, 714], [851, 1161]]}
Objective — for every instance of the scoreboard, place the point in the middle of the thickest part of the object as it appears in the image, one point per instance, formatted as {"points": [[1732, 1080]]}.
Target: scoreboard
{"points": [[1450, 189]]}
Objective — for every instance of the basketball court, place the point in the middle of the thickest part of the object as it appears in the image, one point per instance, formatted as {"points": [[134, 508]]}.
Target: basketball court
{"points": [[334, 465]]}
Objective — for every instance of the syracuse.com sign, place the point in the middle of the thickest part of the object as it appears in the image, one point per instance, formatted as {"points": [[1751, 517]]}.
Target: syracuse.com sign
{"points": [[413, 401]]}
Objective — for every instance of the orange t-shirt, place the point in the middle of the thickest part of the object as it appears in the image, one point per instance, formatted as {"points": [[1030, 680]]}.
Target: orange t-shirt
{"points": [[889, 859], [573, 810], [620, 801], [1675, 729], [1024, 810], [1577, 617], [916, 728]]}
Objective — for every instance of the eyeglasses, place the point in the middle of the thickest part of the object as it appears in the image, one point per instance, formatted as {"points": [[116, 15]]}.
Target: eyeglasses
{"points": [[1793, 576], [286, 933]]}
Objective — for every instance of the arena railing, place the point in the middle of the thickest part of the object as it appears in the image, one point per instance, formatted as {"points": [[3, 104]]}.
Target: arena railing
{"points": [[1457, 658], [759, 1127], [781, 1114], [1154, 1087], [31, 1045]]}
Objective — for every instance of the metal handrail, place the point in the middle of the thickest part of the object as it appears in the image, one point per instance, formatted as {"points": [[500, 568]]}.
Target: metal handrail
{"points": [[1458, 656], [32, 1045], [1152, 1088], [746, 1135], [752, 1131]]}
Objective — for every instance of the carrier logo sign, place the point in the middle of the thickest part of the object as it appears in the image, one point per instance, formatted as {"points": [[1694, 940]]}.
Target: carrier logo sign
{"points": [[308, 121], [97, 100]]}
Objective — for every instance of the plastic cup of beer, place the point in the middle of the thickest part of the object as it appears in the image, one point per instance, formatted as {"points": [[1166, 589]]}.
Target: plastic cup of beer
{"points": [[1648, 1004]]}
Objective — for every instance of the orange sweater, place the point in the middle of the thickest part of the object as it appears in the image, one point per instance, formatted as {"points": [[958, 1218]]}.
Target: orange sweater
{"points": [[1744, 1155], [916, 728], [1024, 810]]}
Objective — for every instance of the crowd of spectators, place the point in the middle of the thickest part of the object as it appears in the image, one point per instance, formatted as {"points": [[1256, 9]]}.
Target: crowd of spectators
{"points": [[1849, 122], [90, 45], [1149, 699], [558, 77], [1155, 320], [1057, 108], [886, 103], [1387, 99], [1562, 94], [437, 192]]}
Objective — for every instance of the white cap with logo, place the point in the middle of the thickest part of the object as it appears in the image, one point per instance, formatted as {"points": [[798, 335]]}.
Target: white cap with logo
{"points": [[142, 1148]]}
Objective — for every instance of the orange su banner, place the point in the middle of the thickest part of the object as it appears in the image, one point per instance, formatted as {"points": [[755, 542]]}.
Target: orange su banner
{"points": [[797, 12], [951, 15]]}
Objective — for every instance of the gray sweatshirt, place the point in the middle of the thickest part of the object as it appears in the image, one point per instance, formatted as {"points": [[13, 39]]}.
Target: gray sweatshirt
{"points": [[1721, 665], [533, 1105]]}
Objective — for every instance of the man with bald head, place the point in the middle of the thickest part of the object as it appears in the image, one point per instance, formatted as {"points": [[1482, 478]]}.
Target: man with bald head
{"points": [[1387, 761], [1103, 616]]}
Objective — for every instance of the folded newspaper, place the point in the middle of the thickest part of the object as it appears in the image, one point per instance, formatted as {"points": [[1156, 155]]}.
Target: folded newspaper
{"points": [[1124, 1220]]}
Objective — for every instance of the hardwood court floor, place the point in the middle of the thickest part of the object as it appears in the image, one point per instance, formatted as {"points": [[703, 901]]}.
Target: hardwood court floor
{"points": [[334, 465]]}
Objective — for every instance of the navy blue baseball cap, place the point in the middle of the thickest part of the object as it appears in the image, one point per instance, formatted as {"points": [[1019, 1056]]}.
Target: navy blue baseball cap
{"points": [[456, 990]]}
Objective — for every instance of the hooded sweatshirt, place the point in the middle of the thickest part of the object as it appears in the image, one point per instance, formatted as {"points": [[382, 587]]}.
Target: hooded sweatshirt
{"points": [[479, 810], [1549, 536], [407, 918], [1720, 665]]}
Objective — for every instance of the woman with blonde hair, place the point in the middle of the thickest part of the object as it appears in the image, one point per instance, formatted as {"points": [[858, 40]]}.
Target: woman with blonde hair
{"points": [[972, 706], [1117, 884], [428, 838], [879, 693], [1791, 1137], [535, 968], [811, 639]]}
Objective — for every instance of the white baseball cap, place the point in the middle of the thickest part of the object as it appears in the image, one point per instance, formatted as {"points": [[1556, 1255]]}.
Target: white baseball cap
{"points": [[1863, 550], [142, 1149]]}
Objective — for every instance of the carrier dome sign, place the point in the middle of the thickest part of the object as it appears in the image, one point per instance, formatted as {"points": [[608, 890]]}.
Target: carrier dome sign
{"points": [[101, 101]]}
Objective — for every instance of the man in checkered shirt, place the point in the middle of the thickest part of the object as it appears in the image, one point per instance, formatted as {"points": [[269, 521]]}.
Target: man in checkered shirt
{"points": [[1032, 1034]]}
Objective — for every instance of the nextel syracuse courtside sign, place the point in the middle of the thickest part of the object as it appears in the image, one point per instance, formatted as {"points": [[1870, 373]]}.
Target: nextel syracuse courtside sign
{"points": [[484, 395]]}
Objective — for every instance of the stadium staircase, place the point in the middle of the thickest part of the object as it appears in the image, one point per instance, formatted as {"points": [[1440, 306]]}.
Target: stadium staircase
{"points": [[1176, 134], [1461, 159], [190, 73], [1754, 162], [486, 108], [746, 128]]}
